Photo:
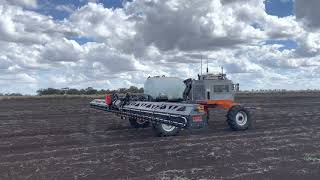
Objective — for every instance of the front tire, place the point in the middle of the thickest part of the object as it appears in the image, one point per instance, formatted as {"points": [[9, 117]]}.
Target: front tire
{"points": [[138, 123], [165, 130], [239, 118]]}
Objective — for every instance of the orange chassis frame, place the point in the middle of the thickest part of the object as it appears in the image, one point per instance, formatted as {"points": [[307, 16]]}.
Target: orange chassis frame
{"points": [[225, 104]]}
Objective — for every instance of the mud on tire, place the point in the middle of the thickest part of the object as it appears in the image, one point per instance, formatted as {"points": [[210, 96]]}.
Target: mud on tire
{"points": [[165, 130], [239, 118], [138, 123]]}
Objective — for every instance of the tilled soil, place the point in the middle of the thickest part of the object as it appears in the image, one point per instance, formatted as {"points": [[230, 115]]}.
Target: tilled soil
{"points": [[62, 138]]}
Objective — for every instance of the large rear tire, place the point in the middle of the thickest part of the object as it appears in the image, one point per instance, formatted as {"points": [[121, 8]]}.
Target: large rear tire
{"points": [[239, 118], [165, 130], [138, 123]]}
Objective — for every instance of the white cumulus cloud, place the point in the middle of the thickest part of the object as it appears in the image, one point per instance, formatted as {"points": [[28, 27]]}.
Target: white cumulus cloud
{"points": [[117, 47]]}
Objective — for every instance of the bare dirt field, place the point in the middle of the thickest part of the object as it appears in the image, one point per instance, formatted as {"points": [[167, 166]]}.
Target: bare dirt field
{"points": [[62, 138]]}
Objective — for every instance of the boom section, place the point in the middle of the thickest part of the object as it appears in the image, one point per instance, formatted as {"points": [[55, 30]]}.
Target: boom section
{"points": [[181, 115]]}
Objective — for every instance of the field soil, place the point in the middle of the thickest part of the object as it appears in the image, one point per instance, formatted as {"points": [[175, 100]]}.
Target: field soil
{"points": [[62, 138]]}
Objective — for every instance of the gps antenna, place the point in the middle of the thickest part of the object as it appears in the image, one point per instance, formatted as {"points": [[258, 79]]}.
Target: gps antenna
{"points": [[201, 65], [207, 66]]}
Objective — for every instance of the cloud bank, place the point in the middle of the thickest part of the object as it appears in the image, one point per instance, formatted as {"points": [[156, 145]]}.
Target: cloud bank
{"points": [[118, 47]]}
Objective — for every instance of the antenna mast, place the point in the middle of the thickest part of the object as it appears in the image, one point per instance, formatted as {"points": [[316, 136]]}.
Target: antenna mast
{"points": [[207, 66], [201, 65]]}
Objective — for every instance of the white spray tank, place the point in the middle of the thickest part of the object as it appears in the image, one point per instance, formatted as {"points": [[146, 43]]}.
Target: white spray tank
{"points": [[170, 87]]}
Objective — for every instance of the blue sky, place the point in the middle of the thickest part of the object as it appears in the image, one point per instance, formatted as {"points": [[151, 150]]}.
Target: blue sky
{"points": [[280, 8], [49, 6]]}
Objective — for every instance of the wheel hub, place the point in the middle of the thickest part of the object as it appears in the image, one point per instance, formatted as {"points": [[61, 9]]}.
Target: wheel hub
{"points": [[241, 118]]}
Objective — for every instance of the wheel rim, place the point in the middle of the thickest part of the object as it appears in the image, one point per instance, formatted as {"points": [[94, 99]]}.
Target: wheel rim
{"points": [[167, 128], [241, 118]]}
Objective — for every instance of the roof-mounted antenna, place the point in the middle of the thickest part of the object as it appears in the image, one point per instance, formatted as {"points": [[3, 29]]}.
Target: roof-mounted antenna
{"points": [[207, 66], [201, 65]]}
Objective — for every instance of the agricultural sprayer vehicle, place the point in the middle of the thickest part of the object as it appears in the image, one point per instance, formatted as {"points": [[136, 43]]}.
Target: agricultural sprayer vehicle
{"points": [[170, 104]]}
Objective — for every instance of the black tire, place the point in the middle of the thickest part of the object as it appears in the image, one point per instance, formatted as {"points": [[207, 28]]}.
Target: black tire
{"points": [[163, 130], [239, 118], [135, 123]]}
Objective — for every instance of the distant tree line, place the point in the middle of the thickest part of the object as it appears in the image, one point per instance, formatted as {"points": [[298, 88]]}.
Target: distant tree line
{"points": [[87, 91], [133, 89], [277, 90], [11, 94]]}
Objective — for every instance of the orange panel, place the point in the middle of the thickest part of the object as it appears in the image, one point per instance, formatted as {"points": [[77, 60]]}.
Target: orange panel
{"points": [[226, 104]]}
